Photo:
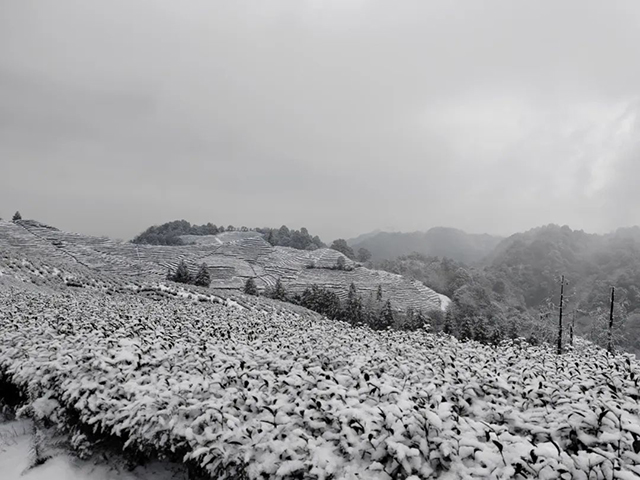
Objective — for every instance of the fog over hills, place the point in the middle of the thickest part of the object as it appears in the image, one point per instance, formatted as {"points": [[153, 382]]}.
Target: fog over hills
{"points": [[439, 241], [521, 275]]}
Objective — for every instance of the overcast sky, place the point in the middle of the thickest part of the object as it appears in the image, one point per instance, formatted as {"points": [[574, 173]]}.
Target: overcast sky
{"points": [[339, 115]]}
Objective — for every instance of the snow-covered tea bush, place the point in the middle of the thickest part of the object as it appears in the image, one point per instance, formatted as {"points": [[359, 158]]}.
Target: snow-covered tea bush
{"points": [[268, 393]]}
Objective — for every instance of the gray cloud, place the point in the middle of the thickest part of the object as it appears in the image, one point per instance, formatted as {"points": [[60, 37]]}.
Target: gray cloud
{"points": [[342, 116]]}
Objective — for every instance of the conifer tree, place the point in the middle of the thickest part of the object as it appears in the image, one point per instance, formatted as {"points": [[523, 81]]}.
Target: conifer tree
{"points": [[421, 320], [250, 287], [182, 274], [202, 278], [17, 216], [353, 308], [385, 320], [279, 292]]}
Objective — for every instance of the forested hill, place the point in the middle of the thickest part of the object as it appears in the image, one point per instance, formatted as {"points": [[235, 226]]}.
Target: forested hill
{"points": [[519, 282], [439, 241], [534, 260], [173, 233]]}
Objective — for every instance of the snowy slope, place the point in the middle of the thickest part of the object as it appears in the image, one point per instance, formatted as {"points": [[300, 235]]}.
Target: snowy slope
{"points": [[17, 439], [269, 393], [41, 254]]}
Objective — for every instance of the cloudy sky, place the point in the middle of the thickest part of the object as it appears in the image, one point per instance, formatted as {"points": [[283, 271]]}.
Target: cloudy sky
{"points": [[339, 115]]}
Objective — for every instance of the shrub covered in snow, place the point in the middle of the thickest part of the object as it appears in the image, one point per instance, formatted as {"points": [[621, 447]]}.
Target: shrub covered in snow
{"points": [[274, 394]]}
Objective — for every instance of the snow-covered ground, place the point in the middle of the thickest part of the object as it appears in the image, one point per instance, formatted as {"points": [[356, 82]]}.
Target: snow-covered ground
{"points": [[444, 302], [269, 393], [16, 461]]}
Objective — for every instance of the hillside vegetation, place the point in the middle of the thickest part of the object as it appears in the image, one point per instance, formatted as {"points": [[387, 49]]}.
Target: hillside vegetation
{"points": [[264, 392], [41, 254], [517, 288], [174, 233]]}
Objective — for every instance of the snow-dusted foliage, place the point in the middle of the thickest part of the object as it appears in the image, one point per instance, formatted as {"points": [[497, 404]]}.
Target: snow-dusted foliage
{"points": [[268, 393]]}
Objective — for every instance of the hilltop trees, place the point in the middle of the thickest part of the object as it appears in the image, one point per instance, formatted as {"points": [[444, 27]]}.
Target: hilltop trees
{"points": [[169, 234], [17, 216], [341, 246], [166, 234], [298, 239]]}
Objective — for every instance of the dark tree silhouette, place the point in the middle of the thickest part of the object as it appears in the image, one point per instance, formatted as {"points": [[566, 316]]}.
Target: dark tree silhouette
{"points": [[385, 320], [17, 216], [250, 287], [182, 274], [279, 292], [202, 278], [353, 308], [341, 246]]}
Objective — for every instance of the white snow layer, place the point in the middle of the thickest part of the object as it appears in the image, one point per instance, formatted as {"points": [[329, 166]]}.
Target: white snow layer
{"points": [[16, 440]]}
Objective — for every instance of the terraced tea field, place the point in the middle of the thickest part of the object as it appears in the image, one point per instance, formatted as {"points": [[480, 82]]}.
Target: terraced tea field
{"points": [[29, 249], [265, 392]]}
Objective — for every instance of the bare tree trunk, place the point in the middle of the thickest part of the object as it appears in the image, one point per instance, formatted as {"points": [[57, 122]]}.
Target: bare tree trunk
{"points": [[560, 320], [573, 324], [610, 335]]}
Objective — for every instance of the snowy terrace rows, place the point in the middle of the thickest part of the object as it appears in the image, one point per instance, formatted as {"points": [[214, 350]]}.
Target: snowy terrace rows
{"points": [[231, 258], [277, 395]]}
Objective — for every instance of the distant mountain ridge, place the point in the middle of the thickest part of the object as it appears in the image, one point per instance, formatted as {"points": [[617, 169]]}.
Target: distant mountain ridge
{"points": [[438, 242]]}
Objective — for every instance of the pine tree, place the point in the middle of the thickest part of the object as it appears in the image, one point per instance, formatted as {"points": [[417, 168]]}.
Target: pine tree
{"points": [[202, 279], [385, 320], [480, 331], [353, 308], [421, 321], [17, 216], [379, 293], [182, 274], [279, 292], [250, 287], [465, 329]]}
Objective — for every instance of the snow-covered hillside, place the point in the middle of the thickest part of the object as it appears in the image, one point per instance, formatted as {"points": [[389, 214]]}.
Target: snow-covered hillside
{"points": [[38, 253], [269, 393]]}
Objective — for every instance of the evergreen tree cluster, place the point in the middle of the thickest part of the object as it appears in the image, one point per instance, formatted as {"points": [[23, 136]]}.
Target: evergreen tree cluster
{"points": [[298, 239], [169, 234], [374, 312], [183, 275], [341, 246], [277, 291]]}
